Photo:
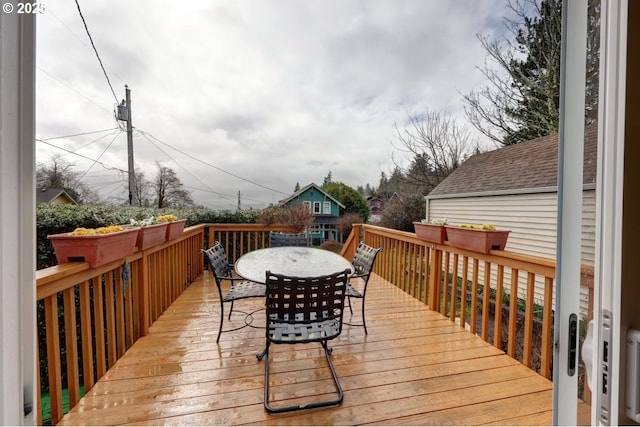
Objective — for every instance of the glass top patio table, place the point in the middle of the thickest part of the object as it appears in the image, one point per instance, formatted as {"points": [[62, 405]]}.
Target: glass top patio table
{"points": [[290, 261]]}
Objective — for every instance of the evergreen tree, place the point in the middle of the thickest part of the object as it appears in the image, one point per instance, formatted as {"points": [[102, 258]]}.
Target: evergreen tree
{"points": [[353, 201], [521, 99], [327, 180]]}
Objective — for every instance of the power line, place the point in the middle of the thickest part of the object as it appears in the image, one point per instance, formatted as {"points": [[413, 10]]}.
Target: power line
{"points": [[194, 176], [84, 157], [96, 51], [87, 144], [227, 195], [77, 134], [101, 154], [213, 166], [73, 90], [50, 12]]}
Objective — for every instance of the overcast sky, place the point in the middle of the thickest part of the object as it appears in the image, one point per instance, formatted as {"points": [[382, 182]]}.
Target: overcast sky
{"points": [[250, 96]]}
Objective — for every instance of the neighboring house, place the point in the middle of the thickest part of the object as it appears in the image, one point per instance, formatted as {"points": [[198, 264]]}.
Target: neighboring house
{"points": [[515, 188], [54, 196], [376, 207], [325, 209], [395, 198]]}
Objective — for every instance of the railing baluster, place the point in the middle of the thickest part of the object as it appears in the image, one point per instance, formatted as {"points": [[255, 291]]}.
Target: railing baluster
{"points": [[497, 325], [120, 322], [513, 313], [53, 357], [454, 288], [547, 322], [445, 290], [98, 315], [528, 320], [110, 320], [435, 271], [486, 296], [463, 296], [86, 331], [71, 345], [474, 296]]}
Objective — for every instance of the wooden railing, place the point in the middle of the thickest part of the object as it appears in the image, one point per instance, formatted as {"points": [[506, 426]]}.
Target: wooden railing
{"points": [[88, 317], [475, 290]]}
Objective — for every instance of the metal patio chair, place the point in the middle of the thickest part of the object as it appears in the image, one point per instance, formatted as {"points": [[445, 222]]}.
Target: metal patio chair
{"points": [[304, 310], [279, 239], [240, 288], [363, 261]]}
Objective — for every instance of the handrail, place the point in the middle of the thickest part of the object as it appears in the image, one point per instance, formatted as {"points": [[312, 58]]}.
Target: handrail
{"points": [[88, 317], [452, 281]]}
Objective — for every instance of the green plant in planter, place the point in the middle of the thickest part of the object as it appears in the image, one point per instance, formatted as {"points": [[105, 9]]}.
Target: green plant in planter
{"points": [[443, 221]]}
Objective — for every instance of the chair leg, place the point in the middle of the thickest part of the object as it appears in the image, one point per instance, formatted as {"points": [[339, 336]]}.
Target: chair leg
{"points": [[221, 321], [264, 352], [349, 300], [364, 323], [230, 309], [338, 400]]}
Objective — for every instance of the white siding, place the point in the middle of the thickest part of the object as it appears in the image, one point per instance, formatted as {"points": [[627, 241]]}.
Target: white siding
{"points": [[532, 220]]}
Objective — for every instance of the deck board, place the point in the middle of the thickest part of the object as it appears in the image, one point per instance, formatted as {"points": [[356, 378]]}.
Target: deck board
{"points": [[414, 367]]}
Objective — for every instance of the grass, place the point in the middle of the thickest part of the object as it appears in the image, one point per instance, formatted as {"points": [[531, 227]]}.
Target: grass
{"points": [[46, 405]]}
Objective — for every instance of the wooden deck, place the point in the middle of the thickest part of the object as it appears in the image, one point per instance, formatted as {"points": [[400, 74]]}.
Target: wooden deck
{"points": [[414, 367]]}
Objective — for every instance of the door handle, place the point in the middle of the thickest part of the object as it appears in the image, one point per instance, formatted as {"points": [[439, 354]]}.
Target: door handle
{"points": [[573, 344]]}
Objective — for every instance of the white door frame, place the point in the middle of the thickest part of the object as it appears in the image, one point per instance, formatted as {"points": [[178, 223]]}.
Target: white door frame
{"points": [[569, 234], [17, 219], [605, 407]]}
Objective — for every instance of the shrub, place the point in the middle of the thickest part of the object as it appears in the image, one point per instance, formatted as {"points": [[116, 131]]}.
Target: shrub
{"points": [[296, 215], [400, 216], [346, 221], [332, 245]]}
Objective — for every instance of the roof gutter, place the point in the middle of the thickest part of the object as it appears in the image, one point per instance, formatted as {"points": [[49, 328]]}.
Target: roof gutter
{"points": [[509, 192]]}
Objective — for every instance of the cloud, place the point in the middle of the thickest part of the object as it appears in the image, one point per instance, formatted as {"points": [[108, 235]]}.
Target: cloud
{"points": [[274, 92]]}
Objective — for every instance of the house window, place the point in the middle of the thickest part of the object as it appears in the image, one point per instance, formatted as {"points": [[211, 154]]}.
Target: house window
{"points": [[326, 209], [307, 204], [316, 208]]}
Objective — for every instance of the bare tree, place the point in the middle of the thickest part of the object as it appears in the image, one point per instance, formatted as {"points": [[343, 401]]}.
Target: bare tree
{"points": [[169, 190], [436, 144], [142, 189]]}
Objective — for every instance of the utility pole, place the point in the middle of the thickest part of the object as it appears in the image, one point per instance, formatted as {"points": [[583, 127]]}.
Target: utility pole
{"points": [[238, 199], [130, 145]]}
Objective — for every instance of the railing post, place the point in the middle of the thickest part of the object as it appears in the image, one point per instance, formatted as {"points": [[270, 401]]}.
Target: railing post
{"points": [[357, 232], [143, 302], [435, 276]]}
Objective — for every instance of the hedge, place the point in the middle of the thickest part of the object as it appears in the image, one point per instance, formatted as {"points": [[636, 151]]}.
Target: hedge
{"points": [[55, 219]]}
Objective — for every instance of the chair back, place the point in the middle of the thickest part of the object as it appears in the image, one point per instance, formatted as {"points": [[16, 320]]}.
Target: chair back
{"points": [[364, 259], [306, 300], [218, 262], [279, 239]]}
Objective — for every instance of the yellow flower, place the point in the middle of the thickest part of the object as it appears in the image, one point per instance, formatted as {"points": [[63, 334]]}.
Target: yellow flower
{"points": [[488, 227], [166, 218], [81, 231]]}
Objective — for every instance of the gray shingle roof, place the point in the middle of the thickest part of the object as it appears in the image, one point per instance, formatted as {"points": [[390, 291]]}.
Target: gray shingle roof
{"points": [[47, 196], [530, 164]]}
